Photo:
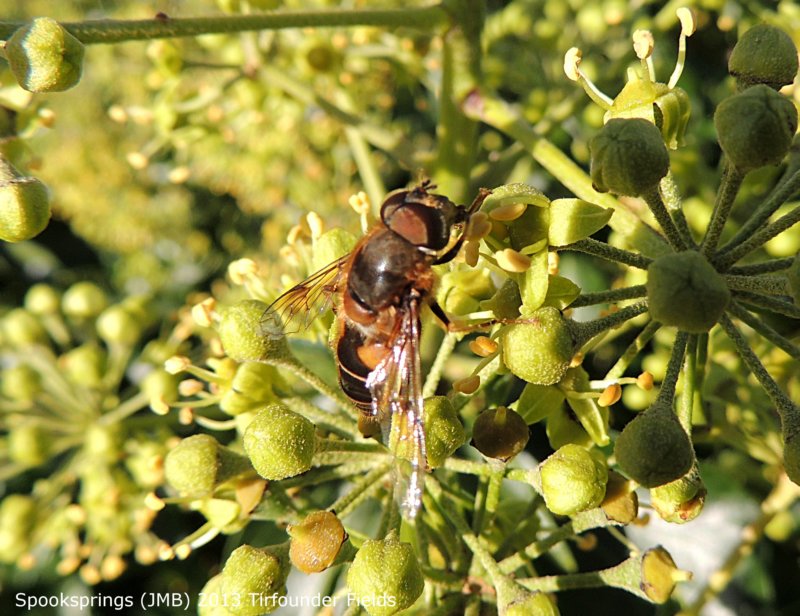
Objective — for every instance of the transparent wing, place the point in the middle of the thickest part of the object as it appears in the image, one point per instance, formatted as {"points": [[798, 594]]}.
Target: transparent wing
{"points": [[299, 306], [396, 388]]}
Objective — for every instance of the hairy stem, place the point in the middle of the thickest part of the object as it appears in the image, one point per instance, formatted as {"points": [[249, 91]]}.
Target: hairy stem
{"points": [[609, 253], [729, 187], [659, 210], [586, 330], [609, 297]]}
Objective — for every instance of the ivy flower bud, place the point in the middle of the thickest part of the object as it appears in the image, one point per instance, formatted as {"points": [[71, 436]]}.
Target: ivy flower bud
{"points": [[20, 383], [84, 300], [20, 328], [280, 443], [531, 603], [685, 291], [42, 299], [385, 576], [629, 157], [755, 127], [443, 430], [44, 57], [257, 577], [573, 480], [764, 55], [198, 464], [540, 349], [241, 333], [117, 325], [681, 500], [316, 541], [24, 205], [17, 518], [654, 449], [85, 365], [500, 433]]}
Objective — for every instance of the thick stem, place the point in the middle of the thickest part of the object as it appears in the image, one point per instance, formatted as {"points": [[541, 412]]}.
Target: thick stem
{"points": [[729, 187], [435, 373], [586, 330], [771, 285], [667, 392], [672, 199], [690, 390], [759, 239], [609, 253], [609, 297], [117, 31], [659, 210], [763, 267], [737, 310], [773, 304]]}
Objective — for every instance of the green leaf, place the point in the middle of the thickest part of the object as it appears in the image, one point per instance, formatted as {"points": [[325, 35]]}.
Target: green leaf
{"points": [[561, 292], [562, 429], [575, 219], [538, 401], [593, 418]]}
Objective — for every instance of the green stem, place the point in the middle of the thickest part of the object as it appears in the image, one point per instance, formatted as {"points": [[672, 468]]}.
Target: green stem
{"points": [[771, 285], [667, 392], [366, 164], [609, 297], [435, 373], [773, 304], [674, 204], [497, 113], [467, 467], [763, 267], [729, 187], [659, 210], [360, 491], [737, 310], [759, 239], [634, 348], [343, 426], [686, 405], [116, 31], [125, 409], [779, 195], [609, 253], [536, 549], [586, 330]]}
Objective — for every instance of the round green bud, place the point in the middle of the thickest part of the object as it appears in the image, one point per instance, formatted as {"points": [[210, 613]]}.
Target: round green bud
{"points": [[764, 55], [443, 430], [629, 157], [280, 443], [316, 541], [256, 577], [321, 56], [28, 445], [755, 127], [537, 603], [44, 57], [160, 384], [385, 576], [117, 325], [42, 299], [654, 449], [573, 480], [20, 328], [243, 335], [103, 443], [20, 383], [24, 205], [84, 300], [540, 349], [17, 518], [198, 464], [85, 365], [793, 274], [685, 291], [500, 433], [681, 500]]}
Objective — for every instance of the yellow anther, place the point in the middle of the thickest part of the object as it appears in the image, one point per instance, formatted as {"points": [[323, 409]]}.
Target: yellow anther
{"points": [[468, 385], [512, 261], [483, 346], [610, 395], [508, 212]]}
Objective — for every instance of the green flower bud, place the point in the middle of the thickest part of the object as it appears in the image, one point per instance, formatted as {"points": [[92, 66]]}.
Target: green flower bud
{"points": [[84, 365], [763, 55], [256, 577], [443, 430], [242, 333], [20, 328], [654, 449], [160, 384], [500, 433], [42, 299], [575, 219], [321, 56], [629, 157], [198, 464], [117, 325], [573, 480], [24, 204], [17, 518], [280, 443], [793, 274], [44, 57], [316, 541], [755, 127], [84, 300], [621, 504], [20, 383], [685, 291], [540, 349], [385, 576], [28, 445], [681, 500], [103, 443], [505, 302], [537, 603]]}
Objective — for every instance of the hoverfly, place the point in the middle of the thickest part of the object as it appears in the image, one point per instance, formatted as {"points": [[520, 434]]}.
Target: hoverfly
{"points": [[377, 292]]}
